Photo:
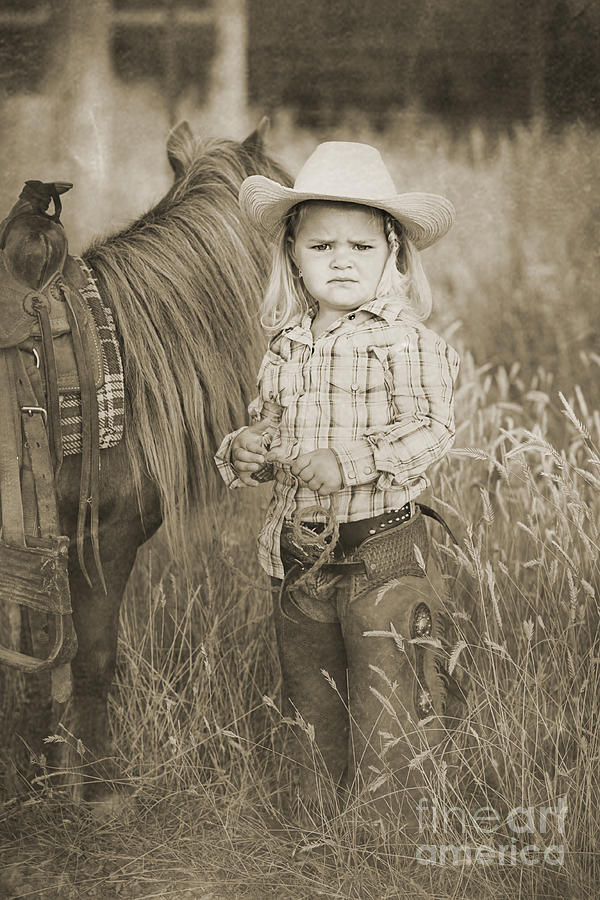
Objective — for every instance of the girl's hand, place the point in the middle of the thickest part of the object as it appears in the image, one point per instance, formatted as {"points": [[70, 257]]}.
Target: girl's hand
{"points": [[319, 471], [248, 452]]}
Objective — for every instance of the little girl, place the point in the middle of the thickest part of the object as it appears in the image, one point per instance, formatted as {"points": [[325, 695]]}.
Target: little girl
{"points": [[355, 403]]}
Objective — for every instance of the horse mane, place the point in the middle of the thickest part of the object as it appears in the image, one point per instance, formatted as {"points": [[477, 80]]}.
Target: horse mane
{"points": [[185, 282]]}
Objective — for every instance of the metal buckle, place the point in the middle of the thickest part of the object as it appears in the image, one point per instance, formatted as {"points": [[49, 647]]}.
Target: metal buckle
{"points": [[30, 410]]}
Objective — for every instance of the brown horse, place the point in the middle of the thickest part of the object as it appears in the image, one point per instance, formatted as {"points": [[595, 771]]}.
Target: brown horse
{"points": [[184, 283]]}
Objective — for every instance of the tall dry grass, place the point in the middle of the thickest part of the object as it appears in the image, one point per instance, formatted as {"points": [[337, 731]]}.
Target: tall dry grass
{"points": [[195, 705], [203, 746]]}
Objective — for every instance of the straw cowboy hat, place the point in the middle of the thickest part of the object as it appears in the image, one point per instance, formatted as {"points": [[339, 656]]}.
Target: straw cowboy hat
{"points": [[352, 173]]}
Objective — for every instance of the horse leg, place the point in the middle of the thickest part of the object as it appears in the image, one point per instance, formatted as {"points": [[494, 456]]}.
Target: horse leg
{"points": [[96, 618]]}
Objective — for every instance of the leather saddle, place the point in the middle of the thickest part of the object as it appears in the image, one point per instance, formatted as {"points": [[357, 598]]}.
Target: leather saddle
{"points": [[44, 320]]}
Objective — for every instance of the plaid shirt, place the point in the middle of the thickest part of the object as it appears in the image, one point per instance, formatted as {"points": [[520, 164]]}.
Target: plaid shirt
{"points": [[377, 388]]}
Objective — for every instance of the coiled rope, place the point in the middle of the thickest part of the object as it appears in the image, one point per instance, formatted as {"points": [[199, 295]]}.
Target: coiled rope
{"points": [[311, 542]]}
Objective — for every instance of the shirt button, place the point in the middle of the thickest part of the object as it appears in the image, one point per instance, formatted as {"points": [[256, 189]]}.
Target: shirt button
{"points": [[354, 386], [350, 475], [368, 470]]}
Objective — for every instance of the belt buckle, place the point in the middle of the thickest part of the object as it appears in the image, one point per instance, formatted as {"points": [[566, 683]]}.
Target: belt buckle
{"points": [[30, 410]]}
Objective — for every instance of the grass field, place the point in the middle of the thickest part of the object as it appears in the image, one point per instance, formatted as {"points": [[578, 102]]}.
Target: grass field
{"points": [[195, 705]]}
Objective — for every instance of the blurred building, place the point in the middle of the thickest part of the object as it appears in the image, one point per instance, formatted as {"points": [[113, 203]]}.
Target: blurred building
{"points": [[498, 60]]}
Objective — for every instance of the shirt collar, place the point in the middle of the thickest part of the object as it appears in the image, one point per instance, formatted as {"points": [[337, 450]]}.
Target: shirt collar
{"points": [[386, 308], [300, 330]]}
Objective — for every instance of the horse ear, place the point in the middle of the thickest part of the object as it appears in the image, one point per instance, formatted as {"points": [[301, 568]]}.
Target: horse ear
{"points": [[256, 139], [181, 148]]}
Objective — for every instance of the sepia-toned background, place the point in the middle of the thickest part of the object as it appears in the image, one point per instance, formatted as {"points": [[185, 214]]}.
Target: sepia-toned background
{"points": [[495, 104], [492, 102]]}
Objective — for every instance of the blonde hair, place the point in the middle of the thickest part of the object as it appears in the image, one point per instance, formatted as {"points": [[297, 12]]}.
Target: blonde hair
{"points": [[403, 278]]}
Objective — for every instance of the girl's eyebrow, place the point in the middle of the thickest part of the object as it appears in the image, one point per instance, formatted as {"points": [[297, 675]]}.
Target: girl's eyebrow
{"points": [[325, 240]]}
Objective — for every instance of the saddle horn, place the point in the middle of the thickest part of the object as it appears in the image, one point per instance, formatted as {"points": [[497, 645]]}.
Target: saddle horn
{"points": [[39, 194], [34, 241]]}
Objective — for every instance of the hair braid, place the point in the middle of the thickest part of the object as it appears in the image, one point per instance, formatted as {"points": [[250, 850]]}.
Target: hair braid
{"points": [[392, 237], [392, 281]]}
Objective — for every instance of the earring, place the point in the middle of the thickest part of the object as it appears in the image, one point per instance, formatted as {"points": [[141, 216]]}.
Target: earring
{"points": [[299, 273]]}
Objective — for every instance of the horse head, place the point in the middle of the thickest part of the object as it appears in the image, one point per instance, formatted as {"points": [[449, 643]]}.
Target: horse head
{"points": [[184, 151]]}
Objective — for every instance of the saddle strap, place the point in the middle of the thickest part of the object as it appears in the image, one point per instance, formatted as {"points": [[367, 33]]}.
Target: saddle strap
{"points": [[13, 526], [51, 377], [26, 475], [39, 497], [36, 452], [89, 488]]}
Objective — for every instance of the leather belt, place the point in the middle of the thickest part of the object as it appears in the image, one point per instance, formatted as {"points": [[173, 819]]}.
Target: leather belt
{"points": [[352, 534]]}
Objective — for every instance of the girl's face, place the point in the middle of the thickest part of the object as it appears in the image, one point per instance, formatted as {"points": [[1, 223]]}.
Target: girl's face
{"points": [[341, 250]]}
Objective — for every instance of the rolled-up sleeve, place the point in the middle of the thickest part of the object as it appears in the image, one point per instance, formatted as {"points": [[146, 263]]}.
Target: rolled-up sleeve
{"points": [[255, 413], [223, 460], [421, 375], [223, 455]]}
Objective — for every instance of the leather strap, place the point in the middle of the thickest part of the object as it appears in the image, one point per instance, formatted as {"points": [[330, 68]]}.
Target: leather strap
{"points": [[36, 446], [90, 450], [40, 509], [13, 527], [433, 514], [34, 499], [51, 378]]}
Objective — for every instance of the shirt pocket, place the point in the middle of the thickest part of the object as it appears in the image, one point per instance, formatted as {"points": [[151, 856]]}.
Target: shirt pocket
{"points": [[379, 387], [279, 379], [359, 394]]}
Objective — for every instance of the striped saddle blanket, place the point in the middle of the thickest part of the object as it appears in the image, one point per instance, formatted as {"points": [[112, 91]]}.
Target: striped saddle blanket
{"points": [[108, 374]]}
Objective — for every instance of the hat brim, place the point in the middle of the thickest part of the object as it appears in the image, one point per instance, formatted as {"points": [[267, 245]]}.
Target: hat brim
{"points": [[425, 218]]}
